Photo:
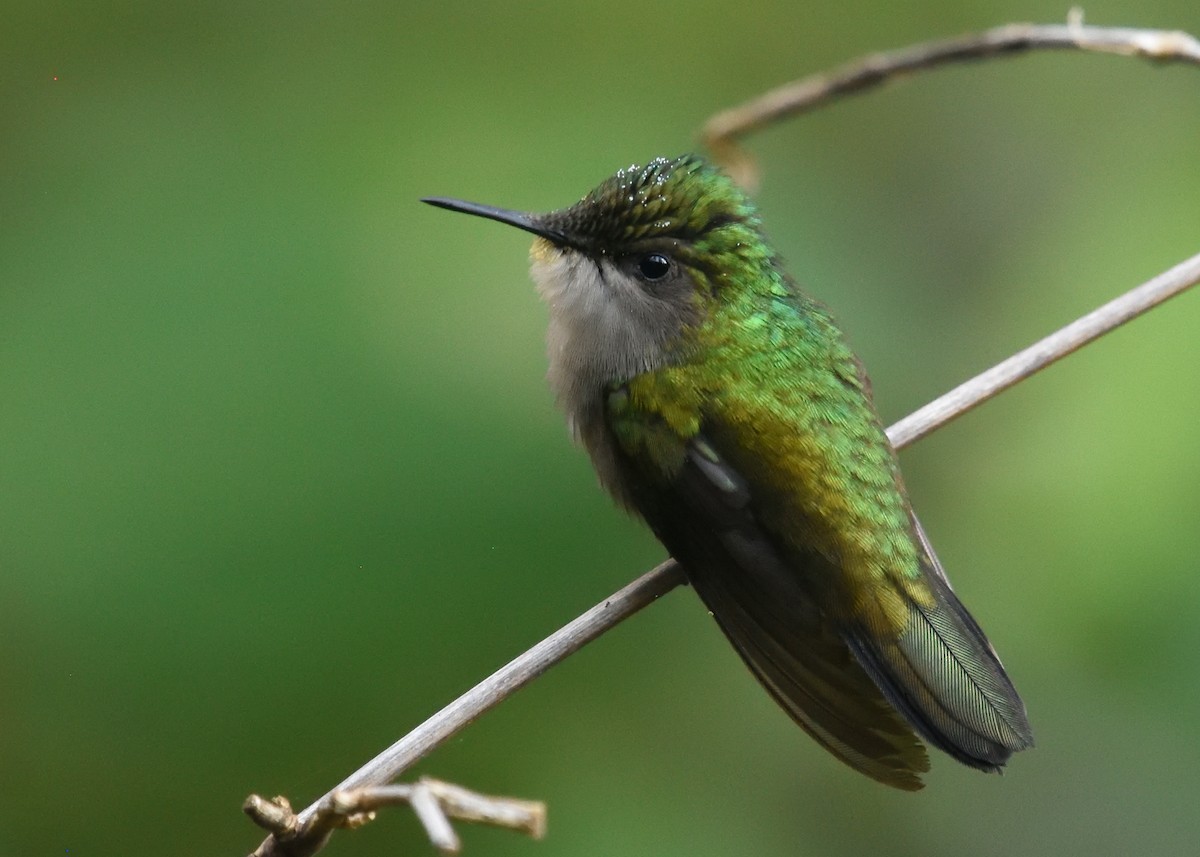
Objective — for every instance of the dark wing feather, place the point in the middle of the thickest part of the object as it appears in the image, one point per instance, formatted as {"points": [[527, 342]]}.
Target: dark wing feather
{"points": [[860, 696], [705, 519]]}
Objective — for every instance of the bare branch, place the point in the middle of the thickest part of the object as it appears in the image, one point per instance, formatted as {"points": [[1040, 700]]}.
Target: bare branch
{"points": [[288, 835], [433, 802], [1042, 353], [354, 799], [721, 133], [526, 816], [487, 694], [437, 826], [294, 840]]}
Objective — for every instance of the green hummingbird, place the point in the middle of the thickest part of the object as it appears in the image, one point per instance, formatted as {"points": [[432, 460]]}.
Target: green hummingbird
{"points": [[724, 406]]}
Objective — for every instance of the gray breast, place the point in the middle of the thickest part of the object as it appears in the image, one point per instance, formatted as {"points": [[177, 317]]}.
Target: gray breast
{"points": [[605, 328]]}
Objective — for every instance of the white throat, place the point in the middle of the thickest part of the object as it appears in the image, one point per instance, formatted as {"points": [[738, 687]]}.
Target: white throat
{"points": [[604, 328]]}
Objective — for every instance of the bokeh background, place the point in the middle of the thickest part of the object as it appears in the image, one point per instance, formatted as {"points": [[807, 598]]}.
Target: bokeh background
{"points": [[280, 476]]}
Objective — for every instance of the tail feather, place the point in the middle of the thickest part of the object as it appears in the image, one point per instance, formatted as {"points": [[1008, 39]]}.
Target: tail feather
{"points": [[944, 676]]}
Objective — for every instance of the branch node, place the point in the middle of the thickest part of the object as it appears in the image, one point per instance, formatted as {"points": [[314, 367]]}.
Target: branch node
{"points": [[437, 826], [433, 801], [274, 815]]}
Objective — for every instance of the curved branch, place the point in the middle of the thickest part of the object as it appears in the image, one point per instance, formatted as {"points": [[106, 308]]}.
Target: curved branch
{"points": [[721, 133]]}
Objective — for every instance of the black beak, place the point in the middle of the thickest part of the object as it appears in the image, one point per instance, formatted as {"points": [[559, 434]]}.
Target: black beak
{"points": [[520, 219]]}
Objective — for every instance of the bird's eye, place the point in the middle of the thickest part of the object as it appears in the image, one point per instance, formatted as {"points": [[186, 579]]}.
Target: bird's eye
{"points": [[654, 266]]}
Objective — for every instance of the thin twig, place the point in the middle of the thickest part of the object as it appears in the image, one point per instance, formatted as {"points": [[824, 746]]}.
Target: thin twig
{"points": [[433, 802], [1042, 353], [437, 826], [526, 816], [721, 133]]}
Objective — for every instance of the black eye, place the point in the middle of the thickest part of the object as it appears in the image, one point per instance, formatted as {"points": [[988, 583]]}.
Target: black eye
{"points": [[654, 266]]}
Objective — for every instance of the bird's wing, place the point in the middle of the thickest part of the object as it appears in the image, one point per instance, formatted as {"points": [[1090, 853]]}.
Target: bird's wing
{"points": [[703, 511], [833, 675]]}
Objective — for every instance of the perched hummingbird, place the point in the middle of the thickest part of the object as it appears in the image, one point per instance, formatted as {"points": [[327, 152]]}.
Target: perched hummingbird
{"points": [[724, 406]]}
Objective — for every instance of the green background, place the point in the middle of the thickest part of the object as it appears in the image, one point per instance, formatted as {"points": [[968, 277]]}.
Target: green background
{"points": [[280, 476]]}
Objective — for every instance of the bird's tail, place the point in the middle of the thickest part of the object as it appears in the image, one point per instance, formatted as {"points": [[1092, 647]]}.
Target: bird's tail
{"points": [[943, 676]]}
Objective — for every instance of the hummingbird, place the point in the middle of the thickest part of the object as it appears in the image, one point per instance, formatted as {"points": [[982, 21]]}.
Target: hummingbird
{"points": [[723, 405]]}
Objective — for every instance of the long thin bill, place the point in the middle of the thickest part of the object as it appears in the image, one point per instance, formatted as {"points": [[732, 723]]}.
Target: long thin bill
{"points": [[520, 219]]}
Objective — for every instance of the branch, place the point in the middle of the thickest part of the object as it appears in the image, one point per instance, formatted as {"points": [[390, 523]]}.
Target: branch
{"points": [[1042, 353], [305, 833], [434, 802], [721, 133], [310, 828]]}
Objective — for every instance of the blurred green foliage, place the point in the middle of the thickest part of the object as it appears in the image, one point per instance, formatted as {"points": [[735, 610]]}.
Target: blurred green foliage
{"points": [[280, 475]]}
